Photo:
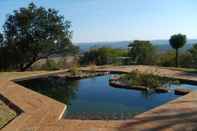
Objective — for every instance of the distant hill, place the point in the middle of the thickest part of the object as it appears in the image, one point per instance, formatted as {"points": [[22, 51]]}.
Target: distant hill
{"points": [[116, 44], [162, 45]]}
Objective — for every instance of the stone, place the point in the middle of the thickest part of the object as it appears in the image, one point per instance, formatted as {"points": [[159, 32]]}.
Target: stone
{"points": [[181, 91], [161, 89]]}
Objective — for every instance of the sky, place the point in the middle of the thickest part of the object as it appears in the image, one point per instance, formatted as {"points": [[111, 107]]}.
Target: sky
{"points": [[118, 20]]}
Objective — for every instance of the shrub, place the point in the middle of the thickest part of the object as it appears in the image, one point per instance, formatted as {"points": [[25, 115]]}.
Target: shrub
{"points": [[92, 67], [75, 69], [148, 79], [166, 59], [50, 65]]}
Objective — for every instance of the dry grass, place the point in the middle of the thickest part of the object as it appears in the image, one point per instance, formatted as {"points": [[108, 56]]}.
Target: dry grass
{"points": [[189, 70], [6, 114], [14, 75]]}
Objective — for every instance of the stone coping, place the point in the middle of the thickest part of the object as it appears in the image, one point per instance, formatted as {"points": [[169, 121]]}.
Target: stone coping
{"points": [[41, 113]]}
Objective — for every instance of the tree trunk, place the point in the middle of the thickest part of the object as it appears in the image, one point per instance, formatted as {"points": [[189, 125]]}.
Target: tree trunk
{"points": [[25, 67], [177, 57]]}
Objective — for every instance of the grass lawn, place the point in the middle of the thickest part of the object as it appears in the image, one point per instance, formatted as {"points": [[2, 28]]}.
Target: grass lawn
{"points": [[6, 114], [188, 70]]}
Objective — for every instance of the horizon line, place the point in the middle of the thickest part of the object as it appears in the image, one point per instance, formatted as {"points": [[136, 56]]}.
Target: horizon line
{"points": [[110, 41]]}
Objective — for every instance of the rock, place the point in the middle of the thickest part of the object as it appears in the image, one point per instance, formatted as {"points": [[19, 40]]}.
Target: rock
{"points": [[118, 84], [142, 88], [182, 91], [161, 89], [115, 78]]}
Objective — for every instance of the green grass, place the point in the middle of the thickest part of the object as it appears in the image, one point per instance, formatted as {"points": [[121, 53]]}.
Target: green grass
{"points": [[6, 114]]}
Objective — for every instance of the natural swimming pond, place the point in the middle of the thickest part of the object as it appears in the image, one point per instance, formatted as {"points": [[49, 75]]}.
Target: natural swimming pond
{"points": [[94, 98]]}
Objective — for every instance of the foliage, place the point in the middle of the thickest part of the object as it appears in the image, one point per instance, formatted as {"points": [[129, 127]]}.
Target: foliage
{"points": [[32, 33], [142, 52], [176, 42], [186, 60], [147, 79], [193, 52], [166, 59], [102, 56], [50, 65]]}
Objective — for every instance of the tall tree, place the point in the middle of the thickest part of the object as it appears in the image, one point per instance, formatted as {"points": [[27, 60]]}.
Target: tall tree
{"points": [[1, 37], [142, 52], [177, 41], [33, 33]]}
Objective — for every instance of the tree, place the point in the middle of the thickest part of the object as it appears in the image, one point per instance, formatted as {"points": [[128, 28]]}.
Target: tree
{"points": [[102, 56], [1, 38], [176, 42], [142, 52], [33, 33], [193, 52]]}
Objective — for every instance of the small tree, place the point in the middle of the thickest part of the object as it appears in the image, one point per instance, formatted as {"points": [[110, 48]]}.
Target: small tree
{"points": [[176, 42], [142, 52]]}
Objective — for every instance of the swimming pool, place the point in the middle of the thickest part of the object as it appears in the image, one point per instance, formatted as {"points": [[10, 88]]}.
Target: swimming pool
{"points": [[93, 98]]}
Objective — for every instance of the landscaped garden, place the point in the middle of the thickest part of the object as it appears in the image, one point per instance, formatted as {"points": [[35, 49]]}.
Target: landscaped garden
{"points": [[39, 58]]}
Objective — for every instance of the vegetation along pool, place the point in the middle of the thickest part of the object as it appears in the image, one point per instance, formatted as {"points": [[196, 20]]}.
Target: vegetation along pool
{"points": [[93, 98]]}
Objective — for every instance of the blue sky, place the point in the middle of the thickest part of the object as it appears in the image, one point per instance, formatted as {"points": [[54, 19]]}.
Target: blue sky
{"points": [[115, 20]]}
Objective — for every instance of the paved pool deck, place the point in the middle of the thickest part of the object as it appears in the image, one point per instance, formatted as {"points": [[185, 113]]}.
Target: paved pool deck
{"points": [[41, 113]]}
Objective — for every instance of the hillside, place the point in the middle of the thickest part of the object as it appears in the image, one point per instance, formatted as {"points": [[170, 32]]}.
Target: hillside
{"points": [[162, 45]]}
